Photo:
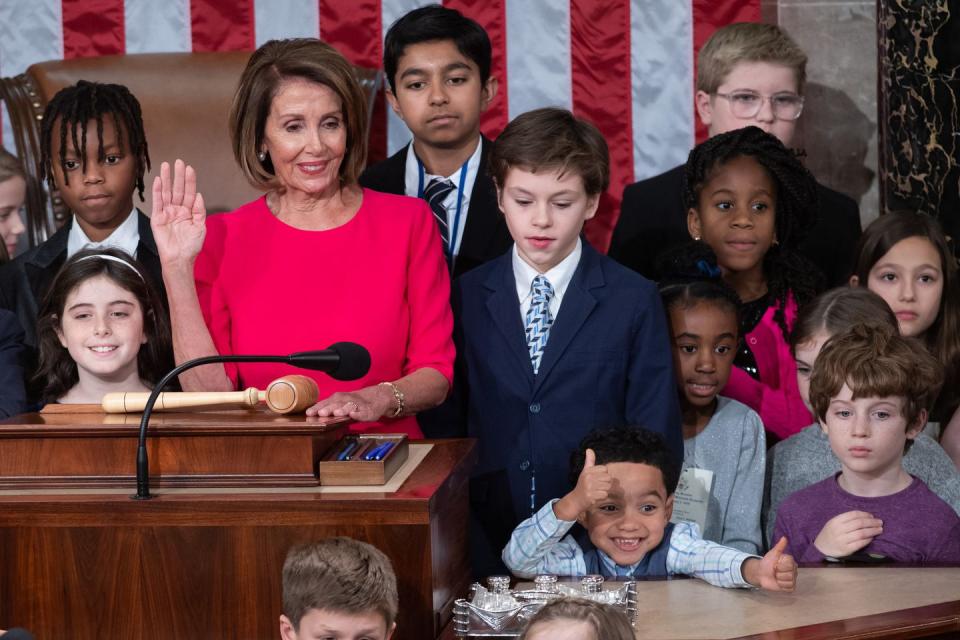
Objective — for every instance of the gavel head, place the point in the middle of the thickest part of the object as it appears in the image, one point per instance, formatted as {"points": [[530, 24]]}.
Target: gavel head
{"points": [[291, 394]]}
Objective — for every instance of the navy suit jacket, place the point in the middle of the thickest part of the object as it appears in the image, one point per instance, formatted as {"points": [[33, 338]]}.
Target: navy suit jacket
{"points": [[607, 363], [485, 235], [653, 219]]}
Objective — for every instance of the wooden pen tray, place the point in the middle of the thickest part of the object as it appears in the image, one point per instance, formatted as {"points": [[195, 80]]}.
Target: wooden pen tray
{"points": [[358, 471]]}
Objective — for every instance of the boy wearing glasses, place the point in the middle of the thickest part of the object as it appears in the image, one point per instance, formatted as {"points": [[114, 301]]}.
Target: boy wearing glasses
{"points": [[747, 74]]}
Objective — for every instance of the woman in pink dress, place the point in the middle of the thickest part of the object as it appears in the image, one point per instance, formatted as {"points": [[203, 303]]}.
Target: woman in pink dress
{"points": [[317, 259]]}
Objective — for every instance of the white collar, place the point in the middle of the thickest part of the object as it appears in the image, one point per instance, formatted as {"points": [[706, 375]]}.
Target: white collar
{"points": [[412, 173], [126, 237], [559, 276]]}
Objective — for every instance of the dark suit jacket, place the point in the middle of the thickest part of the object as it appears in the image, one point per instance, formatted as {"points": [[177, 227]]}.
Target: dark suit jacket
{"points": [[25, 281], [13, 398], [485, 235], [607, 362], [653, 218]]}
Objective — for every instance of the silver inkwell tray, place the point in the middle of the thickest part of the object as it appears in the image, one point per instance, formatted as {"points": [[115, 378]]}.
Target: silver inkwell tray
{"points": [[497, 611]]}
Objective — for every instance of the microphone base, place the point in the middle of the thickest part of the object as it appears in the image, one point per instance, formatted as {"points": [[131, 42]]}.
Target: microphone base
{"points": [[137, 496]]}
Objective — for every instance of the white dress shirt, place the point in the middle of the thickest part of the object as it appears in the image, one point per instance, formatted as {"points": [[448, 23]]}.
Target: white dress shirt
{"points": [[559, 277], [125, 237], [412, 183]]}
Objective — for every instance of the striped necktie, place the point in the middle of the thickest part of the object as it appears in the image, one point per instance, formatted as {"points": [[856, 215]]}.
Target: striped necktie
{"points": [[538, 320], [435, 193]]}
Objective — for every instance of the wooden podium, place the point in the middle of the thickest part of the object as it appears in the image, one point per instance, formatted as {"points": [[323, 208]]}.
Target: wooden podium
{"points": [[235, 490]]}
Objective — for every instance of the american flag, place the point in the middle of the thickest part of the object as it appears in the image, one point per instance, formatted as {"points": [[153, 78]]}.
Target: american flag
{"points": [[625, 65]]}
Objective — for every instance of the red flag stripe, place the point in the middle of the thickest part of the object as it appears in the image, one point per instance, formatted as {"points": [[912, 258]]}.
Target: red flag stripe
{"points": [[92, 28], [708, 16], [600, 59], [354, 27], [492, 16], [222, 25]]}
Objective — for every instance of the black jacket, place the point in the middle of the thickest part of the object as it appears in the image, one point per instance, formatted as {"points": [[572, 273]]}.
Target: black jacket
{"points": [[485, 237], [653, 219]]}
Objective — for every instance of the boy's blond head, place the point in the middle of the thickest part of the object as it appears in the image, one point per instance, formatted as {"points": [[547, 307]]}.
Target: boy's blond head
{"points": [[874, 360], [338, 574], [747, 42]]}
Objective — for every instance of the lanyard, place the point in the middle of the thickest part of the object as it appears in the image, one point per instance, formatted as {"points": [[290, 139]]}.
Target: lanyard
{"points": [[452, 241]]}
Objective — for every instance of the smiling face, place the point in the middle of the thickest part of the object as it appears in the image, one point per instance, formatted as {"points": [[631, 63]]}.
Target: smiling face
{"points": [[910, 279], [100, 190], [13, 192], [322, 624], [102, 329], [868, 434], [704, 343], [439, 94], [736, 214], [305, 137], [630, 522], [545, 213], [763, 78]]}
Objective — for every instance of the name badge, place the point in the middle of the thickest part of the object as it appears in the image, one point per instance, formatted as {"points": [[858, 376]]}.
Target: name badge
{"points": [[692, 498]]}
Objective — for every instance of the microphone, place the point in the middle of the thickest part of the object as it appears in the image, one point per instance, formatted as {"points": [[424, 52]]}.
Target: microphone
{"points": [[341, 361]]}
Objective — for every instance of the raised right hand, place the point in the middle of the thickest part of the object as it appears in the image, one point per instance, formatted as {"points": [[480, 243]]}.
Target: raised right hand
{"points": [[847, 533], [593, 486], [178, 219]]}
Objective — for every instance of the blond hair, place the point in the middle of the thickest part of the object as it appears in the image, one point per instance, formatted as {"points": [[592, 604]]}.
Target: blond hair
{"points": [[338, 574], [747, 42], [268, 67], [606, 621]]}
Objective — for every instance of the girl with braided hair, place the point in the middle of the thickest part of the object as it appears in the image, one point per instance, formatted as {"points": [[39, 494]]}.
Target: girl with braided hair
{"points": [[93, 156], [751, 201]]}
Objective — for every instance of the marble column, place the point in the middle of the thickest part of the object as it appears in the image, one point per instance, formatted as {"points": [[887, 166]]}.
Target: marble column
{"points": [[838, 130], [919, 85]]}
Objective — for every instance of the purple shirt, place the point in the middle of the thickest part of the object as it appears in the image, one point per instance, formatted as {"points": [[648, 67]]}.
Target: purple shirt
{"points": [[918, 527]]}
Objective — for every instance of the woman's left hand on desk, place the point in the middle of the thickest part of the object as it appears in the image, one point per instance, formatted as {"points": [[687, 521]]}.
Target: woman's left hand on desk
{"points": [[364, 405]]}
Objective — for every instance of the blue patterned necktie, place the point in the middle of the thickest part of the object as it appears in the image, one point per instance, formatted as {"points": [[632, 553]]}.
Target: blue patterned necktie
{"points": [[538, 320], [435, 193]]}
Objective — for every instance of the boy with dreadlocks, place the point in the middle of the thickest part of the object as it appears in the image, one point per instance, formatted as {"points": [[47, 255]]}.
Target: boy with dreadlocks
{"points": [[750, 200], [94, 153]]}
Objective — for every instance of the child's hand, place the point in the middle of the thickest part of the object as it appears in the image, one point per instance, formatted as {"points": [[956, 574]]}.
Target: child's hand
{"points": [[178, 215], [847, 533], [776, 571], [593, 485]]}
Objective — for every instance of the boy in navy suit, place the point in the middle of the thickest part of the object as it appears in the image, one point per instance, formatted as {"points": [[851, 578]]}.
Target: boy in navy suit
{"points": [[553, 339], [438, 65]]}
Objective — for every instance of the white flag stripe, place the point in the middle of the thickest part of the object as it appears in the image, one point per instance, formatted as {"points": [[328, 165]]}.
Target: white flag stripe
{"points": [[390, 11], [155, 27], [277, 19], [661, 66], [29, 32], [538, 55]]}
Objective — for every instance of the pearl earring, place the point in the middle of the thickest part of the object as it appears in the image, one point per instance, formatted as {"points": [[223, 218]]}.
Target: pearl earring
{"points": [[262, 156], [696, 238]]}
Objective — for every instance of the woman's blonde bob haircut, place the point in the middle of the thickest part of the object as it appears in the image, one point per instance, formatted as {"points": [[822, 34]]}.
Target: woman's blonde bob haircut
{"points": [[269, 66]]}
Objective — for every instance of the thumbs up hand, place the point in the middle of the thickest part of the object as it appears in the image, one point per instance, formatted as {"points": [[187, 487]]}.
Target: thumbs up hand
{"points": [[776, 571], [593, 486]]}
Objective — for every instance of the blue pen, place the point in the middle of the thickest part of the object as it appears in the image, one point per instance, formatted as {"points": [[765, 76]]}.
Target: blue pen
{"points": [[372, 455], [347, 451], [384, 450]]}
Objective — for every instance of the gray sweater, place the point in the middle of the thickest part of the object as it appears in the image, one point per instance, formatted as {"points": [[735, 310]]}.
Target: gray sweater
{"points": [[806, 458], [733, 447]]}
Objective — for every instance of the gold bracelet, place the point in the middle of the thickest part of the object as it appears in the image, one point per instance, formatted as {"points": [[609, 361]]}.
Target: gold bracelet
{"points": [[399, 397]]}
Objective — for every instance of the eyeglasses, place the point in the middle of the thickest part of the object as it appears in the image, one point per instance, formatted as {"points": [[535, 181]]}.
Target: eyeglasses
{"points": [[747, 104]]}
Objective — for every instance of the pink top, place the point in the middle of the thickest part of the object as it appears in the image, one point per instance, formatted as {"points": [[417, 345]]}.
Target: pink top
{"points": [[776, 396], [379, 280]]}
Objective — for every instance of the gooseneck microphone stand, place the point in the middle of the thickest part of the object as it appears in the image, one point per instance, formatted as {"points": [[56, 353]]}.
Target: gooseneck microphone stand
{"points": [[343, 361]]}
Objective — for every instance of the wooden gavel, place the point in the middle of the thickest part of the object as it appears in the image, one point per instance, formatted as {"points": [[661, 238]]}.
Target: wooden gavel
{"points": [[289, 394]]}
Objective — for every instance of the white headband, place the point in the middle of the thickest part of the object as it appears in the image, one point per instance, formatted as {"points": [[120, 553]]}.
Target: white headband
{"points": [[107, 256]]}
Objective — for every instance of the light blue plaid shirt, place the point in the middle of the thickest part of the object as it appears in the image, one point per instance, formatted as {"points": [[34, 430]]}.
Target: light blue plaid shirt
{"points": [[540, 544]]}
